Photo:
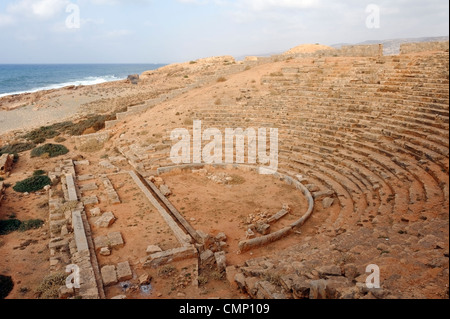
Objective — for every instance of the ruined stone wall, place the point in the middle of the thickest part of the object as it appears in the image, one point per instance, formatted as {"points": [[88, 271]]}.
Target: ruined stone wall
{"points": [[6, 162], [361, 50], [408, 48], [101, 138]]}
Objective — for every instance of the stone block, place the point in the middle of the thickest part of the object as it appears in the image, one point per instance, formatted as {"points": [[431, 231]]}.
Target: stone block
{"points": [[221, 261], [153, 249], [88, 187], [115, 240], [109, 275], [79, 231], [165, 190], [124, 271], [106, 220], [105, 251], [91, 200], [95, 212], [327, 202], [101, 242], [207, 257], [72, 193]]}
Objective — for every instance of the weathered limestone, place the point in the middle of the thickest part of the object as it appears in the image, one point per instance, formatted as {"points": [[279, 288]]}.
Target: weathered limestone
{"points": [[109, 275], [106, 220], [263, 229], [82, 163], [6, 163], [72, 192], [105, 251], [101, 138], [91, 200], [153, 249], [70, 242], [286, 210], [207, 258], [124, 271], [95, 212], [221, 261], [168, 256], [115, 240], [2, 190], [409, 48], [327, 202], [87, 177], [88, 187], [184, 239], [80, 235], [362, 50], [112, 240], [165, 190], [113, 197], [261, 241]]}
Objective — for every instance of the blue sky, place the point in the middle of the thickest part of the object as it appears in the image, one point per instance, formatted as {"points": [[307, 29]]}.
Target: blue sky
{"points": [[154, 31]]}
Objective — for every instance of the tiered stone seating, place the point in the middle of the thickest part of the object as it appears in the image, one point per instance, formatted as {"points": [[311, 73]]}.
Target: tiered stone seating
{"points": [[380, 141], [374, 131]]}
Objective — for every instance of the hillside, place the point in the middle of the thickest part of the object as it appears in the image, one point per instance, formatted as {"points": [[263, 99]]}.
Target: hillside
{"points": [[361, 180]]}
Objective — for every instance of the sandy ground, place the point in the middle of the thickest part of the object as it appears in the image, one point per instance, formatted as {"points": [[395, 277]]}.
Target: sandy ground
{"points": [[208, 206]]}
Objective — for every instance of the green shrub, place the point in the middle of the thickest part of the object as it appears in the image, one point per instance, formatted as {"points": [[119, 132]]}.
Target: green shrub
{"points": [[9, 226], [32, 184], [1, 179], [31, 224], [39, 172], [97, 122], [16, 148], [6, 286], [53, 150]]}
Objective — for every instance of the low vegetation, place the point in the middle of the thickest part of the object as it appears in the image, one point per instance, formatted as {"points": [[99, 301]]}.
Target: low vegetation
{"points": [[39, 172], [32, 184], [9, 226], [91, 124], [31, 224], [91, 146], [53, 150], [49, 287], [167, 271], [12, 225], [16, 148]]}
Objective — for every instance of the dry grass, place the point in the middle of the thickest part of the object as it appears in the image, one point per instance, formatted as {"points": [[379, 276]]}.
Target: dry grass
{"points": [[49, 287], [276, 74], [221, 79], [91, 146]]}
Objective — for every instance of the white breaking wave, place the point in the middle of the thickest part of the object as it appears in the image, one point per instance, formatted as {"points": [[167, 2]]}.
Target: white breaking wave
{"points": [[90, 80]]}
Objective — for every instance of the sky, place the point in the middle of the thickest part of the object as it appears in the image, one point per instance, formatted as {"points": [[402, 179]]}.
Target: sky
{"points": [[167, 31]]}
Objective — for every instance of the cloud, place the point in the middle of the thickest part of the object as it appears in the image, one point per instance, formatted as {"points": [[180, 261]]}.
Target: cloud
{"points": [[41, 9], [118, 33], [193, 1], [6, 20], [262, 5]]}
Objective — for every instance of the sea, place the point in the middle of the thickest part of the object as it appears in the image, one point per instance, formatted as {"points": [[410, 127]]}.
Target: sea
{"points": [[28, 78]]}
